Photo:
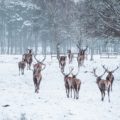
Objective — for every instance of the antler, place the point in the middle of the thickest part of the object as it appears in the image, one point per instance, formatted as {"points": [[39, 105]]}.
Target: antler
{"points": [[40, 61], [94, 72], [68, 73], [105, 68], [36, 59], [102, 74], [114, 69], [86, 48], [79, 45], [63, 73], [43, 59], [76, 73], [110, 71]]}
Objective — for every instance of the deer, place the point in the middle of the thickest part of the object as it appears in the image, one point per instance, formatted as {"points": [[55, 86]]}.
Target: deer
{"points": [[66, 78], [21, 66], [81, 55], [62, 62], [27, 57], [70, 56], [37, 76], [72, 83], [103, 85], [110, 75], [77, 84]]}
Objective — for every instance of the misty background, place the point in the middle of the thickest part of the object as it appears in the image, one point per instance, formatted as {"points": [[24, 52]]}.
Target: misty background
{"points": [[42, 24]]}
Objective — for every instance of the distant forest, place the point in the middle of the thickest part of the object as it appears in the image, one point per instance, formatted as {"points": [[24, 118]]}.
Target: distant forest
{"points": [[42, 24]]}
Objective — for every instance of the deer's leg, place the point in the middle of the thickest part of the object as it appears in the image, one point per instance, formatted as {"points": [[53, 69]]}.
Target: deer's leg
{"points": [[77, 94], [101, 95], [78, 88], [29, 66], [111, 84], [22, 71], [74, 93], [68, 92], [35, 87], [35, 84], [19, 71], [38, 84], [78, 64], [63, 67], [71, 91], [108, 94]]}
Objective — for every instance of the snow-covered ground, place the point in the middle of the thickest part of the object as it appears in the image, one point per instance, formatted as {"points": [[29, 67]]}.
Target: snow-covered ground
{"points": [[51, 103]]}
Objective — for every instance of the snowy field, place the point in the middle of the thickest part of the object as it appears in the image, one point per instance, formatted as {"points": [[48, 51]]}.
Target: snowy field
{"points": [[19, 102]]}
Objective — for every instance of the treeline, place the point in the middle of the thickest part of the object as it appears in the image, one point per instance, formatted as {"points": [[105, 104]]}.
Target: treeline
{"points": [[42, 24]]}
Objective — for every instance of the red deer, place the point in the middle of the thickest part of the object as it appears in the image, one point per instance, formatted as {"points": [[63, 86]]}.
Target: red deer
{"points": [[72, 83], [76, 84], [66, 78], [37, 76], [110, 75], [62, 62], [81, 56], [70, 56], [27, 57], [103, 85], [21, 66]]}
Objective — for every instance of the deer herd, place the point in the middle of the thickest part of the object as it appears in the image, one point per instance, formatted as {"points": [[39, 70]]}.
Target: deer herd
{"points": [[71, 82]]}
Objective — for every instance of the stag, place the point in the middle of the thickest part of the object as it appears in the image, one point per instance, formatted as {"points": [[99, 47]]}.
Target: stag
{"points": [[21, 66], [103, 85], [62, 62], [70, 56], [27, 57], [66, 82], [37, 76], [81, 56], [76, 84], [110, 75]]}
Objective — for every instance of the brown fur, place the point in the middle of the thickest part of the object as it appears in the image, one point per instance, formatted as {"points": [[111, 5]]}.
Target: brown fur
{"points": [[76, 86], [27, 57], [66, 82], [103, 85], [37, 76], [62, 62], [21, 66], [110, 76], [70, 56], [72, 84], [81, 57]]}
